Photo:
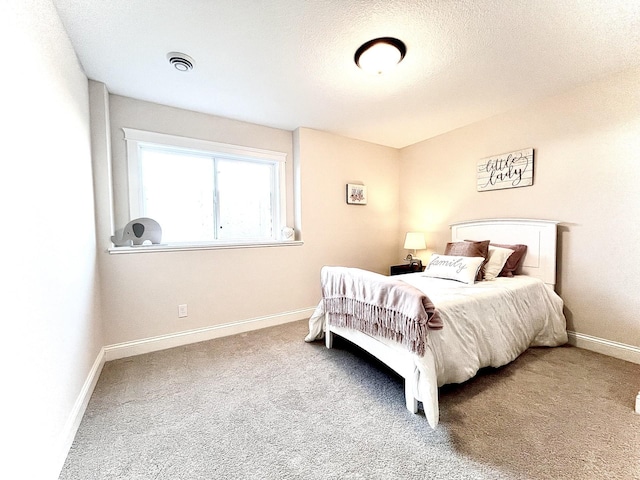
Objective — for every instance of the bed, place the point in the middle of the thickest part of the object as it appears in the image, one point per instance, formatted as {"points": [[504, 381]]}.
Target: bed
{"points": [[486, 323]]}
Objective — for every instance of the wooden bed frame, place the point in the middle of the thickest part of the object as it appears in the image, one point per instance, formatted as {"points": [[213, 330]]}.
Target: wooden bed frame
{"points": [[540, 261]]}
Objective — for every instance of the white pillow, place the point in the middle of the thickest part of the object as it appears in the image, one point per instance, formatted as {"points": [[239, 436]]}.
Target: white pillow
{"points": [[495, 261], [462, 269]]}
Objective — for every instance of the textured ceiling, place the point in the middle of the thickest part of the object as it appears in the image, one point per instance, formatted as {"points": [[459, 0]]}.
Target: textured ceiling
{"points": [[289, 63]]}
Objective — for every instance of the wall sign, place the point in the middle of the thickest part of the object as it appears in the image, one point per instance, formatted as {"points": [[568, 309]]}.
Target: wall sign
{"points": [[509, 170]]}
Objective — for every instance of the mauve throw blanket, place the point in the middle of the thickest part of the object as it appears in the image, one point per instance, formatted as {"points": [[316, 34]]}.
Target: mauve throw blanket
{"points": [[378, 305]]}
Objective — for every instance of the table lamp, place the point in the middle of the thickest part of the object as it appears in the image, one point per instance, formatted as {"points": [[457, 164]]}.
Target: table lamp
{"points": [[414, 241]]}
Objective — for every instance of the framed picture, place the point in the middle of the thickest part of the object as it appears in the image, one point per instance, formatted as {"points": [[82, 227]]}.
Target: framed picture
{"points": [[356, 194]]}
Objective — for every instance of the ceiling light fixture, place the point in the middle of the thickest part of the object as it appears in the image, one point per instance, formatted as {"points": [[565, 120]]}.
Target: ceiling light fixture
{"points": [[380, 54], [180, 61]]}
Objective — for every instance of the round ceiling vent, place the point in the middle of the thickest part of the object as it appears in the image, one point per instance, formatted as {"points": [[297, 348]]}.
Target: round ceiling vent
{"points": [[180, 61]]}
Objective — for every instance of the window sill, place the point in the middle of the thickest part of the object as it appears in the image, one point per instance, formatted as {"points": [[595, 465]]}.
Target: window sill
{"points": [[198, 246]]}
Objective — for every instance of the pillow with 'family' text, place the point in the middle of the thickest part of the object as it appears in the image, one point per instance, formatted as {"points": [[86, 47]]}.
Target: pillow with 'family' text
{"points": [[450, 267], [469, 248]]}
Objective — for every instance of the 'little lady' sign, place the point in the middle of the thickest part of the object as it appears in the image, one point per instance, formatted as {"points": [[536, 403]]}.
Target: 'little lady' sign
{"points": [[509, 170]]}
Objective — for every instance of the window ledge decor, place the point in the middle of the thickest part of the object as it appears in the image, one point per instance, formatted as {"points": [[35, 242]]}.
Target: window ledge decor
{"points": [[200, 246], [508, 170]]}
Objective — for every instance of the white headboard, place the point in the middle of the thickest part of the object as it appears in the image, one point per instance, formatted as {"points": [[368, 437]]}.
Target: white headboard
{"points": [[538, 235]]}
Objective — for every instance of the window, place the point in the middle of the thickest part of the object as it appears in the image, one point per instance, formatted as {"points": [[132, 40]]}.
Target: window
{"points": [[205, 192]]}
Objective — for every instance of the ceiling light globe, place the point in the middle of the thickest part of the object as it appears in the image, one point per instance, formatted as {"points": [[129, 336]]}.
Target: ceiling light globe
{"points": [[380, 58], [380, 55]]}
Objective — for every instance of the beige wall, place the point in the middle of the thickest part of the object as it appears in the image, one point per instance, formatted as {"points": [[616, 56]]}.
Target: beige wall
{"points": [[142, 290], [52, 328], [586, 171], [335, 232]]}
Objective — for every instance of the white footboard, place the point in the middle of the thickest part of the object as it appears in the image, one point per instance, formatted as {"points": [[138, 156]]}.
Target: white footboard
{"points": [[401, 362]]}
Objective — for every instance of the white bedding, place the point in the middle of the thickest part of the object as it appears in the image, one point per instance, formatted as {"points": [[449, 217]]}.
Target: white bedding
{"points": [[486, 324]]}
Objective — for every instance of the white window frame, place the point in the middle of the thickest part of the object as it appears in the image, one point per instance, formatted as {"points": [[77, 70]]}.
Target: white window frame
{"points": [[135, 139]]}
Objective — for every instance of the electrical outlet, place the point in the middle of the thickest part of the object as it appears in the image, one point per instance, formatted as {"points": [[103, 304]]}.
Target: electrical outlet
{"points": [[182, 310]]}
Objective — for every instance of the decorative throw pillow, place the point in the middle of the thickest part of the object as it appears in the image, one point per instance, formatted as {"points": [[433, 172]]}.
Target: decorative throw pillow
{"points": [[469, 248], [459, 268], [513, 262], [495, 261]]}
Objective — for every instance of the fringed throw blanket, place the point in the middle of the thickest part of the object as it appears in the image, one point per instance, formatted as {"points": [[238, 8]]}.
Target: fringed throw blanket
{"points": [[378, 305]]}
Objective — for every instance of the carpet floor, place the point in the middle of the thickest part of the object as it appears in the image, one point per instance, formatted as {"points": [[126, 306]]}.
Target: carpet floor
{"points": [[266, 405]]}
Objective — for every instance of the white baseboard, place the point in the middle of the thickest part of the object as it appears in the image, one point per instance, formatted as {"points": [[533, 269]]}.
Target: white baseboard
{"points": [[77, 412], [162, 342], [622, 351]]}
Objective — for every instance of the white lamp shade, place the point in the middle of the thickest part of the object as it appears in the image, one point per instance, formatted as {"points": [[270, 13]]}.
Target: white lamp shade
{"points": [[415, 241]]}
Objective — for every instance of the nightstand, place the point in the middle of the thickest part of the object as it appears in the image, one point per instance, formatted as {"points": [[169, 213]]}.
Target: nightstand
{"points": [[406, 268]]}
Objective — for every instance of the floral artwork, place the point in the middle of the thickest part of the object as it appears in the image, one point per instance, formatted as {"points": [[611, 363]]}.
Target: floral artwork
{"points": [[356, 194]]}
